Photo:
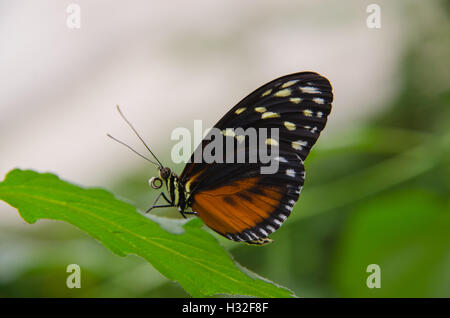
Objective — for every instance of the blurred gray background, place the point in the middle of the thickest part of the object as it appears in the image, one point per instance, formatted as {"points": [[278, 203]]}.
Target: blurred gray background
{"points": [[168, 63]]}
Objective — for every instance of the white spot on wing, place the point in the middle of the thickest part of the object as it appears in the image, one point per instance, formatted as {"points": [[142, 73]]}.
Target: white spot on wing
{"points": [[289, 125], [299, 144], [290, 83], [318, 100], [269, 115], [283, 93], [290, 172], [281, 159], [260, 109], [267, 92], [271, 141], [240, 110], [228, 132], [282, 216], [295, 100], [309, 90], [307, 112], [240, 138]]}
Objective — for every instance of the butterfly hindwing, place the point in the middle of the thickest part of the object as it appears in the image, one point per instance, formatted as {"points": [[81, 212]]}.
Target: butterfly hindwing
{"points": [[235, 199]]}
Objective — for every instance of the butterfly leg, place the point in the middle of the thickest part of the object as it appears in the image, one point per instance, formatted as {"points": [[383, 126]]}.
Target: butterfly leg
{"points": [[190, 212], [165, 198], [160, 206], [182, 212], [186, 212]]}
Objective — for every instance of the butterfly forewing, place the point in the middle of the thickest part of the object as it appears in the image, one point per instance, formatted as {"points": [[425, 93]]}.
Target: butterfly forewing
{"points": [[236, 199]]}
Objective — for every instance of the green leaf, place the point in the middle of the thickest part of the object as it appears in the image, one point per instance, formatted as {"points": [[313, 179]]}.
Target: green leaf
{"points": [[407, 234], [181, 251]]}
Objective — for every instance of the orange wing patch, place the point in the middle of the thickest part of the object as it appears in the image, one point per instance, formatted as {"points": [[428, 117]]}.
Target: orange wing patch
{"points": [[237, 207]]}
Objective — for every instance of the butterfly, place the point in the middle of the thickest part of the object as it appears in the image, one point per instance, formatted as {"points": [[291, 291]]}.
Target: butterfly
{"points": [[236, 199]]}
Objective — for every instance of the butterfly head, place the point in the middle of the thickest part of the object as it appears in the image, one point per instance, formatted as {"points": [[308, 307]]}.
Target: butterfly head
{"points": [[157, 182], [164, 173]]}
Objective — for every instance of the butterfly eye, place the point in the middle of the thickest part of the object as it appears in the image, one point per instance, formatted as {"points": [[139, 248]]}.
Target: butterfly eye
{"points": [[164, 173], [155, 183]]}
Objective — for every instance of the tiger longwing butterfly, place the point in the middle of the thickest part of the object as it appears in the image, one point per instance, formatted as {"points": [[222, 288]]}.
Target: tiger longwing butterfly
{"points": [[235, 199]]}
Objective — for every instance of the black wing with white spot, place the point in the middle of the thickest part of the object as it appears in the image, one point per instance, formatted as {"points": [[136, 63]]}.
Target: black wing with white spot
{"points": [[298, 105]]}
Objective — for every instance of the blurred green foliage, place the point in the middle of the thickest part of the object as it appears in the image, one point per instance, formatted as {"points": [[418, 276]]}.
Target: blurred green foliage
{"points": [[407, 234], [376, 193]]}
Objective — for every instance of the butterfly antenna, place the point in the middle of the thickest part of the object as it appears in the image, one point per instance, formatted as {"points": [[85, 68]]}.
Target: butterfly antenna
{"points": [[136, 133], [140, 155]]}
